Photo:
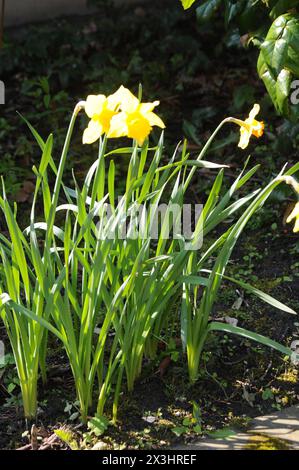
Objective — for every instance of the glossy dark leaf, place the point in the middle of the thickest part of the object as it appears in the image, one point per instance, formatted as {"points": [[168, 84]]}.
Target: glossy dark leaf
{"points": [[278, 64], [206, 10]]}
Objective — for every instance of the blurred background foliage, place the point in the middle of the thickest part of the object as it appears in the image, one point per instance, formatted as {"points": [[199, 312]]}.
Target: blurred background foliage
{"points": [[272, 26], [199, 70]]}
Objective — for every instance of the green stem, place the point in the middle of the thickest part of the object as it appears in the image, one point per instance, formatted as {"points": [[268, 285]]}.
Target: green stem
{"points": [[205, 149], [29, 397], [194, 352], [55, 196], [98, 187], [65, 150]]}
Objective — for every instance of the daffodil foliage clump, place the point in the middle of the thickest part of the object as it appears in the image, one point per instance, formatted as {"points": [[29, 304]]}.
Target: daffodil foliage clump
{"points": [[110, 299], [272, 26]]}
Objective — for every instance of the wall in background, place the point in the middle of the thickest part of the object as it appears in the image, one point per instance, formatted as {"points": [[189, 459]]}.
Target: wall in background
{"points": [[26, 11]]}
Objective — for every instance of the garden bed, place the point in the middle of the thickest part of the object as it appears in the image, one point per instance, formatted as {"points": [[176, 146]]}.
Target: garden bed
{"points": [[239, 379]]}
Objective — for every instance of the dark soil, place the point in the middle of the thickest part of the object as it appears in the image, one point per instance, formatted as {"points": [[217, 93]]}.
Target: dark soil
{"points": [[236, 375], [239, 380]]}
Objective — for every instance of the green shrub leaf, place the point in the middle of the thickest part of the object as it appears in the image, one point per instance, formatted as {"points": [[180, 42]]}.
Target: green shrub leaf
{"points": [[278, 64]]}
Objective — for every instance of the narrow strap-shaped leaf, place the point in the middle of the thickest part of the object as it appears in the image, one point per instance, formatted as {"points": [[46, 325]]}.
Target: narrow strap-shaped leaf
{"points": [[258, 293], [236, 330]]}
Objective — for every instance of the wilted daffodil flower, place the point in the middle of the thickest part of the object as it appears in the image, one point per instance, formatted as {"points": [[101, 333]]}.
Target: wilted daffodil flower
{"points": [[294, 215], [100, 109], [135, 119]]}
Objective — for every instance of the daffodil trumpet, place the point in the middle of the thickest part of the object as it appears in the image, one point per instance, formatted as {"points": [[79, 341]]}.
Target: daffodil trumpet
{"points": [[135, 119]]}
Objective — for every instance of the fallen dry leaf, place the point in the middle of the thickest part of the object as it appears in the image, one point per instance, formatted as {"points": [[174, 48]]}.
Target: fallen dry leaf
{"points": [[165, 363]]}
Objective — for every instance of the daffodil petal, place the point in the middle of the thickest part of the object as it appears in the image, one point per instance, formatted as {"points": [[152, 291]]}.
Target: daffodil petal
{"points": [[115, 100], [94, 104], [129, 102], [154, 120], [118, 126], [254, 112], [92, 132], [296, 227], [145, 108], [244, 138], [294, 213]]}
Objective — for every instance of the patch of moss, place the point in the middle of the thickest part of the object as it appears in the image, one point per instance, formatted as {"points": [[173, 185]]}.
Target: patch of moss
{"points": [[264, 442]]}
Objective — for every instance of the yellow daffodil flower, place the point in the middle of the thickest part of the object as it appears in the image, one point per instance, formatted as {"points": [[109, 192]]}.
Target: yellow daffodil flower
{"points": [[294, 215], [135, 119], [291, 181], [100, 109], [250, 127]]}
